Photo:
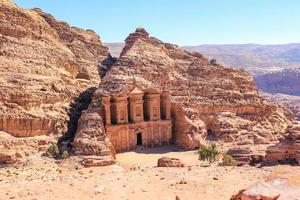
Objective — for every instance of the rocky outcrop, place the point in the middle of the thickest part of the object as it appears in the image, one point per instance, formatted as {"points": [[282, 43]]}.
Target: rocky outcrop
{"points": [[90, 137], [241, 154], [44, 65], [169, 162], [247, 155], [14, 149], [288, 149]]}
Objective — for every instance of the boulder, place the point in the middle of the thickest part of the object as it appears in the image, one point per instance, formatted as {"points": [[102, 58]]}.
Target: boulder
{"points": [[169, 162], [7, 157], [98, 161]]}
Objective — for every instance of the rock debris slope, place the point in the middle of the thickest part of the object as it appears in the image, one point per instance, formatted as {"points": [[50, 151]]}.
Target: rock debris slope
{"points": [[44, 65], [208, 99]]}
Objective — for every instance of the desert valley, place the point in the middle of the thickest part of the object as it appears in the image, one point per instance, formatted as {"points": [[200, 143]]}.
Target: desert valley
{"points": [[143, 119]]}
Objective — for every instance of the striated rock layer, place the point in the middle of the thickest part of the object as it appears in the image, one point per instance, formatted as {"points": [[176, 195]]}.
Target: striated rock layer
{"points": [[44, 65], [209, 101]]}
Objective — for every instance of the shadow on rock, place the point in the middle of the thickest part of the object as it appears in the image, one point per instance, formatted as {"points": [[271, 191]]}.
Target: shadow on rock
{"points": [[80, 104]]}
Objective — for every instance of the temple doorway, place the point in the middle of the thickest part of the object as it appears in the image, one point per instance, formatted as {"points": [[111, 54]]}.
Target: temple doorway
{"points": [[139, 140]]}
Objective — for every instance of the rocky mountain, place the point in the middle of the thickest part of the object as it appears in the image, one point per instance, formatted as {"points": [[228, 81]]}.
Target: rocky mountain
{"points": [[47, 71], [275, 67], [209, 100]]}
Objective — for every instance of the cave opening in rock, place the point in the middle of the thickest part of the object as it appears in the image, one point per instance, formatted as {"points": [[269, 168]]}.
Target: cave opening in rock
{"points": [[139, 140], [210, 135]]}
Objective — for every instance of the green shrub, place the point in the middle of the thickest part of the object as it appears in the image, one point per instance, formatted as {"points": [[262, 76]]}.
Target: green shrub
{"points": [[208, 153], [228, 160], [53, 150], [65, 154]]}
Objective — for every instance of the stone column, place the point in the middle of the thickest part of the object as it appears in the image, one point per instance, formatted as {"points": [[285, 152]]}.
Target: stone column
{"points": [[152, 101], [136, 107], [106, 106], [120, 109], [165, 105]]}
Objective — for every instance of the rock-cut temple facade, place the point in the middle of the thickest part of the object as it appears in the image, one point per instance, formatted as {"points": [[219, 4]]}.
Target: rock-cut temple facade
{"points": [[138, 118]]}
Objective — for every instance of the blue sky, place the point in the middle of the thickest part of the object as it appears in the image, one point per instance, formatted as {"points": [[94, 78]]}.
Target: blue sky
{"points": [[183, 22]]}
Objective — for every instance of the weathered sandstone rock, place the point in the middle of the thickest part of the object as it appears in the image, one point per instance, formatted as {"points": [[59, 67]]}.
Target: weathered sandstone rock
{"points": [[241, 154], [169, 162], [14, 149], [44, 65], [96, 161], [7, 157], [90, 138], [288, 149]]}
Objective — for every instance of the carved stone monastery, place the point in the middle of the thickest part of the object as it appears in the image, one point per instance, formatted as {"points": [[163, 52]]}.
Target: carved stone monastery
{"points": [[138, 118]]}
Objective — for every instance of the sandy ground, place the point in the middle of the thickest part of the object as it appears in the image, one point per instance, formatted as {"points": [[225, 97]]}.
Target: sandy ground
{"points": [[133, 177]]}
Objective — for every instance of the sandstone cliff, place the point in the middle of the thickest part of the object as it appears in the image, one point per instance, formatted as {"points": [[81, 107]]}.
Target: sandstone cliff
{"points": [[44, 65], [201, 90]]}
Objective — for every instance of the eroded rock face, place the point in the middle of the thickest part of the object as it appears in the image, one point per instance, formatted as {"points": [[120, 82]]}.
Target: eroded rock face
{"points": [[14, 149], [44, 65], [90, 137], [288, 149]]}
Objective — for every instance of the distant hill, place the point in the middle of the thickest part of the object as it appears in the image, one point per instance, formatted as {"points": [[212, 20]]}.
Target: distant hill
{"points": [[257, 59], [292, 102], [115, 48], [286, 81]]}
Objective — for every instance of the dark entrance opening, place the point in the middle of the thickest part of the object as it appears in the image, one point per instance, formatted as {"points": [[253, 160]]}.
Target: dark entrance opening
{"points": [[139, 140], [210, 135]]}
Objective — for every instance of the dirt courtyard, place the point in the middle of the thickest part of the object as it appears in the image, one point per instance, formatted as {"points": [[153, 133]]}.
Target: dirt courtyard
{"points": [[135, 176]]}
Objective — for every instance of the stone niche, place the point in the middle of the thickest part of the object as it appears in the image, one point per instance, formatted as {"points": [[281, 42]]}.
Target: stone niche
{"points": [[138, 118]]}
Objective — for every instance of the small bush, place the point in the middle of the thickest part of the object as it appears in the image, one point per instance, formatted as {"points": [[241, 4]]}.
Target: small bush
{"points": [[208, 153], [53, 150], [65, 154], [228, 160]]}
